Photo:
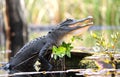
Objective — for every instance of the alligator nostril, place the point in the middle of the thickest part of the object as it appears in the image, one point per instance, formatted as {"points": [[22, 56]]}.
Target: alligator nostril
{"points": [[49, 32]]}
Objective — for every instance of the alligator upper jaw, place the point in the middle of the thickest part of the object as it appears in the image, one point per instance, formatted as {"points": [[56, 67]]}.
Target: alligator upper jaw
{"points": [[82, 22]]}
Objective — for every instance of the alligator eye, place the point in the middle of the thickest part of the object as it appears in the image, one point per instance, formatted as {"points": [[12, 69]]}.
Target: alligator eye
{"points": [[68, 19]]}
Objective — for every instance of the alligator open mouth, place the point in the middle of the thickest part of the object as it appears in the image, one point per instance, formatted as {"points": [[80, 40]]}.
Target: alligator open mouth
{"points": [[82, 25]]}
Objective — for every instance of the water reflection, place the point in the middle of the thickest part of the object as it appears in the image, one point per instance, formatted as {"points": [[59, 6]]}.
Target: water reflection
{"points": [[100, 73], [108, 66], [84, 73]]}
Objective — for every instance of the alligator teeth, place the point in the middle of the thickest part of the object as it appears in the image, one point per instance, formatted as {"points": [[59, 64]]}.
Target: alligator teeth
{"points": [[91, 23]]}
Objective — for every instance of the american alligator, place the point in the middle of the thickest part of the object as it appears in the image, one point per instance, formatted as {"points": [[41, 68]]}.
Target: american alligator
{"points": [[36, 49]]}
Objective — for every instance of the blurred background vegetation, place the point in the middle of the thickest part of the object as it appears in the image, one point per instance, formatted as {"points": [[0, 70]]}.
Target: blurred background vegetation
{"points": [[105, 12]]}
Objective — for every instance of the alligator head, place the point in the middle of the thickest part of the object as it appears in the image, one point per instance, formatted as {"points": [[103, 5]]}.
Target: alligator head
{"points": [[71, 26]]}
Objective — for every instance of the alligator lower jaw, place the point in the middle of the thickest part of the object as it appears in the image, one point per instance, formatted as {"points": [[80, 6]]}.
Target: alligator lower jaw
{"points": [[80, 31]]}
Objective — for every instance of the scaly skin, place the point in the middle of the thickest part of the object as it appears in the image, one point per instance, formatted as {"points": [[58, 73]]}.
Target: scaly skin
{"points": [[35, 50]]}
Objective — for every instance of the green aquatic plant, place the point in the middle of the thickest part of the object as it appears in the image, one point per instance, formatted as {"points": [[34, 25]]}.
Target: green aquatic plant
{"points": [[108, 46], [62, 50]]}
